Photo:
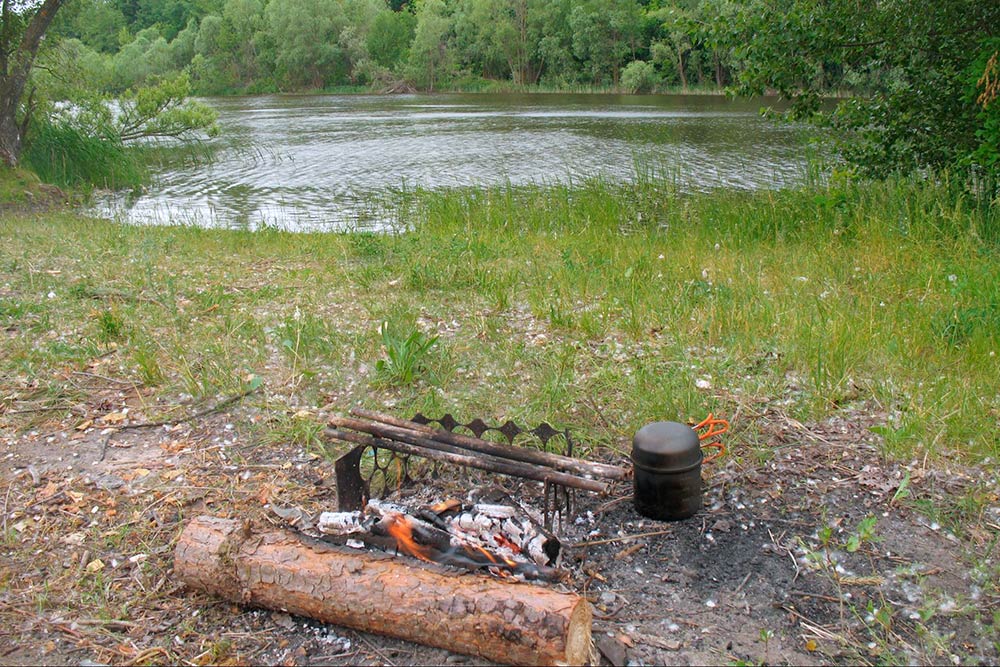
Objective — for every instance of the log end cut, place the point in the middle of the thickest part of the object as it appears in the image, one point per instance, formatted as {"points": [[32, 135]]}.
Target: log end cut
{"points": [[203, 558]]}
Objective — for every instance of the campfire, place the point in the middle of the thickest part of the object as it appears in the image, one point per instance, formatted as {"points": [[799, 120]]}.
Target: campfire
{"points": [[395, 567], [497, 539]]}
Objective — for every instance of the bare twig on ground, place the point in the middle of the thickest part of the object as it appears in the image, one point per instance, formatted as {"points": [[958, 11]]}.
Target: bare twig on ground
{"points": [[623, 538], [194, 415]]}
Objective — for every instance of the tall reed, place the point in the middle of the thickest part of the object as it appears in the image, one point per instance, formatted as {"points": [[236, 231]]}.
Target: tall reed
{"points": [[67, 156]]}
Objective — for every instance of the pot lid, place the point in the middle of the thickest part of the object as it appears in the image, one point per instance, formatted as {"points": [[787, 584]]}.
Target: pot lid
{"points": [[666, 446]]}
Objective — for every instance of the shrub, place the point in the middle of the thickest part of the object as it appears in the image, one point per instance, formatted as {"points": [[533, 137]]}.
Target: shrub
{"points": [[639, 77]]}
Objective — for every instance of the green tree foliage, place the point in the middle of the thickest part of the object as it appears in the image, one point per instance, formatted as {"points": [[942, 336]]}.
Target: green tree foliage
{"points": [[389, 38], [158, 109], [429, 57], [557, 63], [228, 47], [96, 23], [985, 95], [639, 77], [148, 55], [500, 37], [306, 35], [22, 29], [913, 57], [169, 16], [606, 35]]}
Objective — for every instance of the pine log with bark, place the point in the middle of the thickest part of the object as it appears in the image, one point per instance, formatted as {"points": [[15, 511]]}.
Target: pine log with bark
{"points": [[508, 622]]}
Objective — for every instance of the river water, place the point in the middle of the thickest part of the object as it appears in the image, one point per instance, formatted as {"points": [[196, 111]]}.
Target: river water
{"points": [[325, 162]]}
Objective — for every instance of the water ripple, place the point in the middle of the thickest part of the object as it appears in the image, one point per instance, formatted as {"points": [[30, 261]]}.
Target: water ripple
{"points": [[329, 162]]}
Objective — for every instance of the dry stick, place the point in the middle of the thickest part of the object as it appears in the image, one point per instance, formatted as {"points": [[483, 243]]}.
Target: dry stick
{"points": [[30, 410], [375, 649], [194, 415], [565, 463], [743, 583], [105, 377], [6, 499], [601, 509], [47, 499], [624, 538], [437, 451]]}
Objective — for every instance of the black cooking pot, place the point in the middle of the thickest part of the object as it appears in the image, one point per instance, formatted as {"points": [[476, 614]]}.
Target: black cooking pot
{"points": [[666, 458]]}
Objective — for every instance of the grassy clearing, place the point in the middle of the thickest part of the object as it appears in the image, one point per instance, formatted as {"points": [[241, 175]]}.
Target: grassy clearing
{"points": [[805, 317], [595, 306]]}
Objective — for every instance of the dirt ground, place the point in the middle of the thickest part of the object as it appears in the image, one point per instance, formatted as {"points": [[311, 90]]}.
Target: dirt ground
{"points": [[811, 550]]}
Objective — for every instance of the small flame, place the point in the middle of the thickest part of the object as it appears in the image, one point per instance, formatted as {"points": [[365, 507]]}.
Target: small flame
{"points": [[493, 558], [399, 527], [472, 549]]}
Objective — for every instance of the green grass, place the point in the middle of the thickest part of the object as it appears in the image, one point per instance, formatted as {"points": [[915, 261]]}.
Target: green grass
{"points": [[67, 156], [596, 306]]}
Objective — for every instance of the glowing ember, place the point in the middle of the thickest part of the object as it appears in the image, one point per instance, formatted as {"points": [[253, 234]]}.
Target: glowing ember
{"points": [[504, 542]]}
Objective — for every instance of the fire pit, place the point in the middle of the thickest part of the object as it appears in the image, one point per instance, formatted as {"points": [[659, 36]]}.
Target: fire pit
{"points": [[401, 566]]}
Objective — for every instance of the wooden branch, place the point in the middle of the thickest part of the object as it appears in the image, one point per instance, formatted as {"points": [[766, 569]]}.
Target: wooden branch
{"points": [[564, 463], [437, 451], [510, 623]]}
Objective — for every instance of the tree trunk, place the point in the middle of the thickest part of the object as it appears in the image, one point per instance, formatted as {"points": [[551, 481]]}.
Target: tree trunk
{"points": [[511, 623], [15, 66], [10, 132]]}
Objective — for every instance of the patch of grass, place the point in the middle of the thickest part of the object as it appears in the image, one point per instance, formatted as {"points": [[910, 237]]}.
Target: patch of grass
{"points": [[301, 429], [406, 352], [596, 305], [67, 156], [110, 325]]}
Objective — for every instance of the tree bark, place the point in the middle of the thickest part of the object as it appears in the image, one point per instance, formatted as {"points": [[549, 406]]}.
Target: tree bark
{"points": [[680, 68], [15, 66], [512, 623]]}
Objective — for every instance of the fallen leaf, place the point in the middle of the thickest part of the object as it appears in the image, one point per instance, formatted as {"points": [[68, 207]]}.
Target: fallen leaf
{"points": [[95, 565], [85, 424], [135, 474], [49, 490], [115, 417], [811, 645], [174, 446], [625, 639]]}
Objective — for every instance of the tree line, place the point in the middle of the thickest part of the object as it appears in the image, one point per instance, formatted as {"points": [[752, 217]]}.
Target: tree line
{"points": [[917, 81], [237, 46]]}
